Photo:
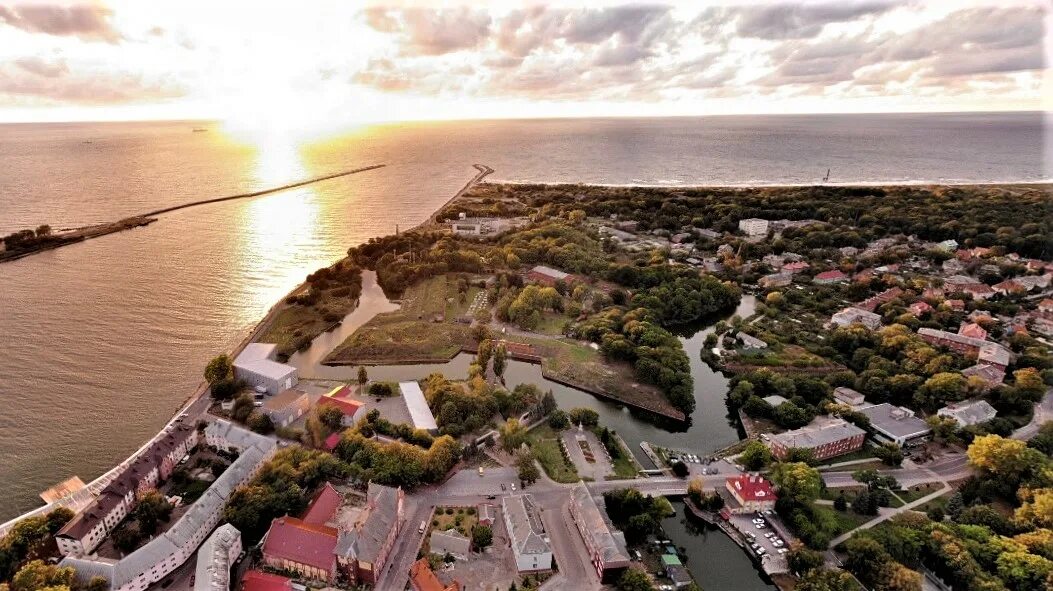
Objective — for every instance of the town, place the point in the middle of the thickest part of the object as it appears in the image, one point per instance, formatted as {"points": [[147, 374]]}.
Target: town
{"points": [[891, 382]]}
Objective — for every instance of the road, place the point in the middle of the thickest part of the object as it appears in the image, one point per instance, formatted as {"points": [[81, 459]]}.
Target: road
{"points": [[1043, 414], [953, 466]]}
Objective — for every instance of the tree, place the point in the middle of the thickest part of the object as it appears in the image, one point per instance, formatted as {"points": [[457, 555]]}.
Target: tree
{"points": [[126, 538], [363, 376], [151, 509], [242, 408], [331, 417], [680, 469], [558, 420], [37, 575], [260, 423], [1024, 572], [1009, 459], [822, 579], [527, 468], [584, 416], [943, 428], [955, 505], [797, 481], [841, 503], [634, 579], [97, 584], [482, 536], [756, 456], [500, 360], [220, 368], [512, 434], [889, 453], [802, 559]]}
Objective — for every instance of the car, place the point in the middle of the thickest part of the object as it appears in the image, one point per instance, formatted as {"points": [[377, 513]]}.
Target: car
{"points": [[750, 534], [769, 535], [480, 471], [768, 512], [503, 487], [783, 550], [760, 526], [491, 497], [423, 526], [758, 520], [761, 551], [513, 487]]}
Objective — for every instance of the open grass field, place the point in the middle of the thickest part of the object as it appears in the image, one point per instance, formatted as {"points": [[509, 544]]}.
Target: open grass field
{"points": [[295, 325], [421, 331], [544, 442]]}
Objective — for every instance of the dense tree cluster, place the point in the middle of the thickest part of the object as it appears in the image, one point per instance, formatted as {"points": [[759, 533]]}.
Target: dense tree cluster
{"points": [[458, 408], [282, 487], [804, 396], [636, 514], [397, 463], [29, 539]]}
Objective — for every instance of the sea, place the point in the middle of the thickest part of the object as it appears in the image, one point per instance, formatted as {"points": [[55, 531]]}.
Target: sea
{"points": [[102, 341]]}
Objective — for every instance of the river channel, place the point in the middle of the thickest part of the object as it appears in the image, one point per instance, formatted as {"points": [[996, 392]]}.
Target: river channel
{"points": [[709, 429]]}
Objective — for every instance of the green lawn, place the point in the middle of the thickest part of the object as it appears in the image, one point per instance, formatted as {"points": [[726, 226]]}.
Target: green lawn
{"points": [[544, 442], [551, 324], [847, 520], [860, 454], [916, 492]]}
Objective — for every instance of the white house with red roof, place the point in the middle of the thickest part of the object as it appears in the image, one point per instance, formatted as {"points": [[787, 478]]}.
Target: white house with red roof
{"points": [[341, 399], [750, 492]]}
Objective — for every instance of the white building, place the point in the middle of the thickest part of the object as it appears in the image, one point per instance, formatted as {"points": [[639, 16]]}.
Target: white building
{"points": [[530, 544], [286, 407], [894, 424], [450, 542], [852, 315], [466, 226], [417, 406], [754, 227], [256, 366], [168, 551], [969, 412], [216, 557]]}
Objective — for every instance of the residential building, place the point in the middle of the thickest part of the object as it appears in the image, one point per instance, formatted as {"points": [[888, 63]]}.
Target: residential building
{"points": [[872, 303], [774, 400], [285, 407], [775, 280], [828, 277], [849, 396], [751, 343], [526, 533], [215, 559], [1009, 287], [450, 542], [968, 346], [795, 267], [484, 226], [255, 365], [824, 438], [852, 315], [978, 291], [749, 493], [167, 551], [848, 251], [753, 227], [548, 276], [422, 578], [365, 546], [605, 545], [1046, 305], [948, 245], [342, 399], [973, 330], [87, 529], [894, 424], [994, 354], [956, 305], [675, 571], [323, 505], [969, 412], [256, 580], [919, 309], [420, 414], [487, 514], [307, 549]]}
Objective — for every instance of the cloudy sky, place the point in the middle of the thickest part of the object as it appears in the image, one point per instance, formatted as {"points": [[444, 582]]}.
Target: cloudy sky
{"points": [[303, 63]]}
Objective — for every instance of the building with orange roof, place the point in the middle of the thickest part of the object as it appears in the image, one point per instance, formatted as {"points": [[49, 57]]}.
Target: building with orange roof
{"points": [[341, 399], [422, 578], [256, 580]]}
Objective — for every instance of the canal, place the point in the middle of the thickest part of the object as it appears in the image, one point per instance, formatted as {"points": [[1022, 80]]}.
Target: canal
{"points": [[709, 429]]}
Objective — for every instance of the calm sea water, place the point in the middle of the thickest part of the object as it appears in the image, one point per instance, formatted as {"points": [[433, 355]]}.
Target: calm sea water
{"points": [[103, 340]]}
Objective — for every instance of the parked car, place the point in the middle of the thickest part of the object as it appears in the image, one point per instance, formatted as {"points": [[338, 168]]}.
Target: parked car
{"points": [[783, 550], [503, 487], [760, 526], [755, 546], [758, 520]]}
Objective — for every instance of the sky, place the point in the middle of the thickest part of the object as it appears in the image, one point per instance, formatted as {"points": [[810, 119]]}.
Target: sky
{"points": [[319, 62]]}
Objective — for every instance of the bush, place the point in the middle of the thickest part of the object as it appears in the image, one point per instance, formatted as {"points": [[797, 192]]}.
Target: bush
{"points": [[380, 389]]}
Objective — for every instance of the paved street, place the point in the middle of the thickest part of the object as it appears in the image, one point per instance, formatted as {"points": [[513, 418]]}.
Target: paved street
{"points": [[1043, 414]]}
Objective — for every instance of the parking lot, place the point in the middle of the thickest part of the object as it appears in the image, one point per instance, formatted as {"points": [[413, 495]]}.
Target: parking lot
{"points": [[767, 539], [698, 466], [577, 442]]}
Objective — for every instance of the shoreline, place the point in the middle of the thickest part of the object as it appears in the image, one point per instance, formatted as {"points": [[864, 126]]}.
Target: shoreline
{"points": [[768, 185]]}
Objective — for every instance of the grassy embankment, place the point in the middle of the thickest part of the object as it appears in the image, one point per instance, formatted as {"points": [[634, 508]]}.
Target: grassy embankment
{"points": [[421, 331], [326, 298], [544, 442]]}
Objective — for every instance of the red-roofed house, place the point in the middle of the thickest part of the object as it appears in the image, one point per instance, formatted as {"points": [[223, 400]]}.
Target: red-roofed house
{"points": [[795, 267], [920, 308], [423, 579], [255, 580], [1009, 287], [978, 291], [751, 492], [829, 277], [971, 329], [291, 544], [323, 506], [958, 305], [341, 399], [332, 441], [1046, 305]]}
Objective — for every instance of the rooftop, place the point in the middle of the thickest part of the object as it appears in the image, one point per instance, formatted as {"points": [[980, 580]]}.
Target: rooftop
{"points": [[255, 580], [550, 272], [323, 506], [527, 531], [420, 414], [752, 487], [604, 540], [818, 434], [341, 398], [894, 420], [284, 399], [213, 559], [293, 539]]}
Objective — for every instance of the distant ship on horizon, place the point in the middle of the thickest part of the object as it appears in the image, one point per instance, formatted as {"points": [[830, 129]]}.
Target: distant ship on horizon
{"points": [[199, 129]]}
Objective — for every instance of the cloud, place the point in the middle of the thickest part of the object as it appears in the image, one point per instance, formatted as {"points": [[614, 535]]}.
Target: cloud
{"points": [[803, 21], [59, 84], [424, 31], [90, 22], [42, 67]]}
